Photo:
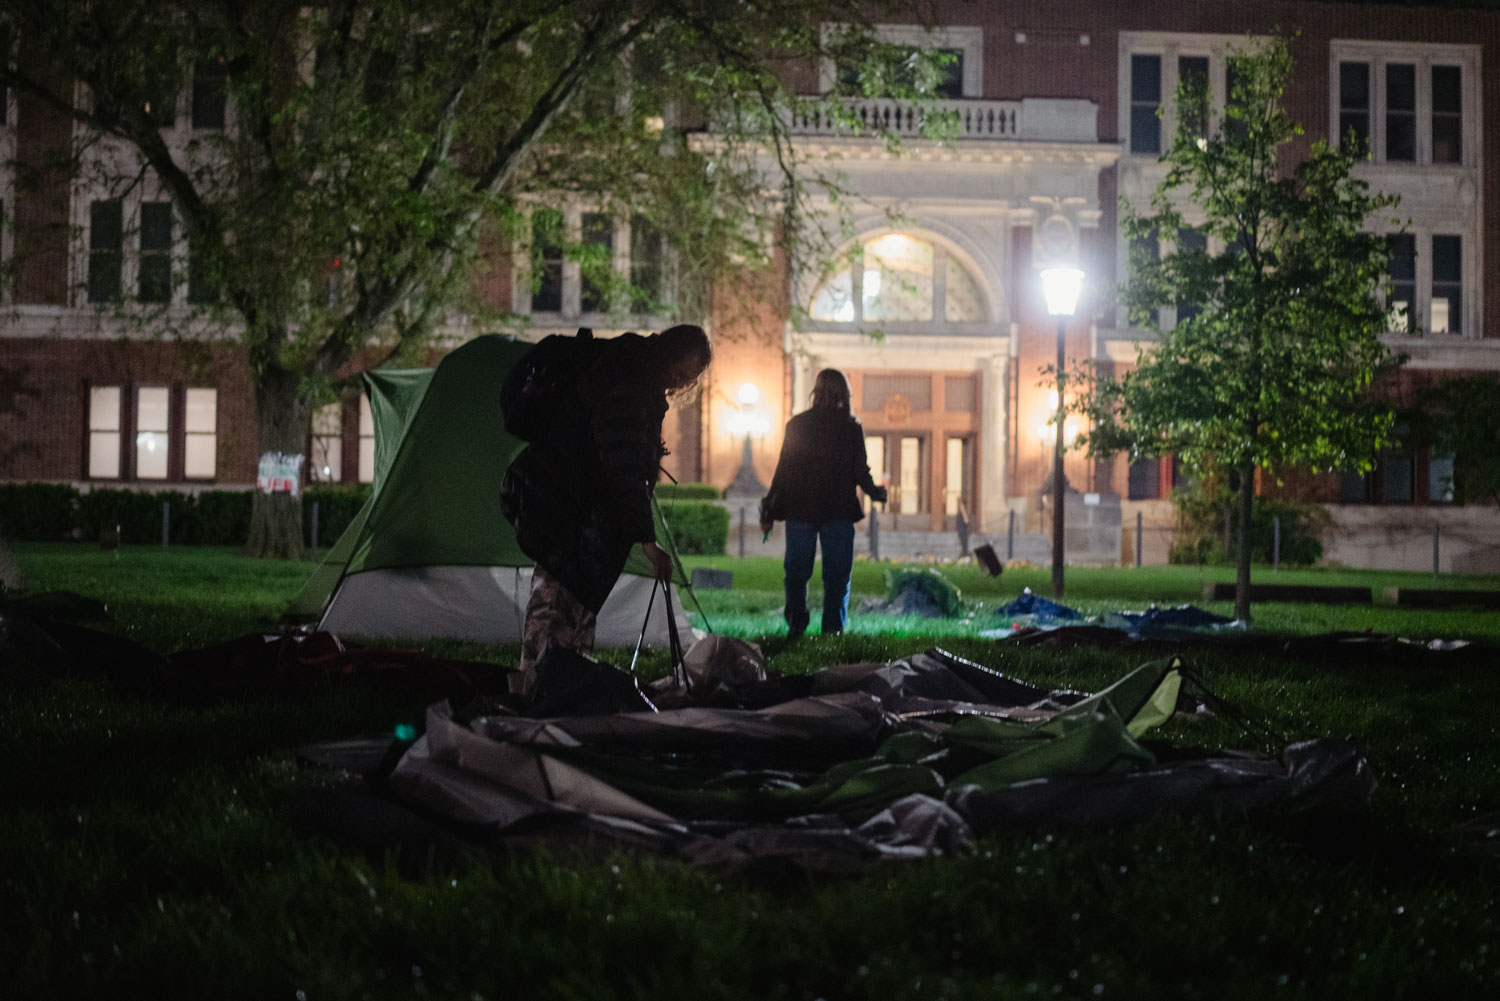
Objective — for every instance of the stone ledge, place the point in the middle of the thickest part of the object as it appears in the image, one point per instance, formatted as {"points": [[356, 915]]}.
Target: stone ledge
{"points": [[1436, 597], [1318, 594]]}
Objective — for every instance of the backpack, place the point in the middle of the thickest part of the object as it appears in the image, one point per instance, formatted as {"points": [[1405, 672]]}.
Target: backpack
{"points": [[533, 393]]}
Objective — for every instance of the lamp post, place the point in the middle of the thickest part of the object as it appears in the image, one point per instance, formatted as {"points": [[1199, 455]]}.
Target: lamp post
{"points": [[746, 485], [1061, 287]]}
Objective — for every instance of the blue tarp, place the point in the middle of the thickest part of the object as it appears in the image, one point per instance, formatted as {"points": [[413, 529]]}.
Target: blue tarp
{"points": [[1027, 603]]}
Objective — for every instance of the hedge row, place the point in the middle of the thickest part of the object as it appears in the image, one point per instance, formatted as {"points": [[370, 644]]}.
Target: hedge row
{"points": [[667, 492], [47, 512]]}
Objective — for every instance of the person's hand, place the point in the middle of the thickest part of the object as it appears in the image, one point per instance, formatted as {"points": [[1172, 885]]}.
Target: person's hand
{"points": [[661, 562], [879, 495], [766, 524]]}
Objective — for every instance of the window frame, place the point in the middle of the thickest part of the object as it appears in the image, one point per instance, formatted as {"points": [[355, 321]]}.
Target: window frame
{"points": [[1172, 48], [1423, 57], [967, 40], [943, 252], [572, 298]]}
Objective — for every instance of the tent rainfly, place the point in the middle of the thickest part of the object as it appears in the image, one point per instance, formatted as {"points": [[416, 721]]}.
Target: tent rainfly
{"points": [[430, 554]]}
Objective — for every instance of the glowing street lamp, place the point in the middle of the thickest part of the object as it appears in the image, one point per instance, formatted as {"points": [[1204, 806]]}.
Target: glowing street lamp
{"points": [[1061, 287]]}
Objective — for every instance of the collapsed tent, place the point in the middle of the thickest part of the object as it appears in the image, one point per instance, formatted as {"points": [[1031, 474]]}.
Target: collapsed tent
{"points": [[833, 770], [430, 554]]}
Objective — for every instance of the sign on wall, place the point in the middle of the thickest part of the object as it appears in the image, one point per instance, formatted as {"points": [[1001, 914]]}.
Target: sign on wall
{"points": [[279, 473]]}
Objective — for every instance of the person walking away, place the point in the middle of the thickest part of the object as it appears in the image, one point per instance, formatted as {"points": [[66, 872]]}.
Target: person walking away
{"points": [[580, 493], [822, 462]]}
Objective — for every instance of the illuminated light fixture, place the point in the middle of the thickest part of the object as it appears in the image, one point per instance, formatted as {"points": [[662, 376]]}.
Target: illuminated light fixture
{"points": [[749, 394], [1062, 287]]}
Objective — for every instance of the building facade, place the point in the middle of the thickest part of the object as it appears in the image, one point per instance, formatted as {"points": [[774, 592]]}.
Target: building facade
{"points": [[1062, 110]]}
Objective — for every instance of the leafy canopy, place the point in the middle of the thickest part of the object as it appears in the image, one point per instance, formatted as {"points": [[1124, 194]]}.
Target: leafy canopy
{"points": [[1277, 284]]}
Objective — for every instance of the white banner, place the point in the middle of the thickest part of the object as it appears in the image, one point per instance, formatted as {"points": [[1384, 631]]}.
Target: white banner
{"points": [[279, 473]]}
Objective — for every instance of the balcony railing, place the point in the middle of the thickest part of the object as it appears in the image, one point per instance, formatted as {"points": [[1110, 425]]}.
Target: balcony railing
{"points": [[975, 119]]}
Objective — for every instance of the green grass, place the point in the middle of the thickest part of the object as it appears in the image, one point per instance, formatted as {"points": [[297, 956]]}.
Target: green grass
{"points": [[147, 848]]}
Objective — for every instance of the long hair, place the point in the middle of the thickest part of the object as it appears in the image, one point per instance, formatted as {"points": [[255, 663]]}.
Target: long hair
{"points": [[831, 389]]}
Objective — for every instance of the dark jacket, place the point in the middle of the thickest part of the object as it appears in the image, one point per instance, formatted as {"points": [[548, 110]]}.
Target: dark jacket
{"points": [[580, 494], [822, 461]]}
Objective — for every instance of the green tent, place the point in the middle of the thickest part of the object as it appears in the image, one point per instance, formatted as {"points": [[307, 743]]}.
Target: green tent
{"points": [[430, 554]]}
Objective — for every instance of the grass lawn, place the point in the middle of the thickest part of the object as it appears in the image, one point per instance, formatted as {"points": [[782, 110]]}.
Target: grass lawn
{"points": [[147, 848]]}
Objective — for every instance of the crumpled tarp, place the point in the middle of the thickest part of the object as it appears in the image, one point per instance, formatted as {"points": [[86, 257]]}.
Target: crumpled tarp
{"points": [[908, 758], [1043, 609]]}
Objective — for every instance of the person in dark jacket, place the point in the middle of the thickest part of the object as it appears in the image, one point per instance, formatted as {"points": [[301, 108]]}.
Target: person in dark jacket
{"points": [[822, 461], [580, 494]]}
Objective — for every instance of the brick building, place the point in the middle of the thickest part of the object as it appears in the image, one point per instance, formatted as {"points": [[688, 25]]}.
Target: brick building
{"points": [[1064, 108]]}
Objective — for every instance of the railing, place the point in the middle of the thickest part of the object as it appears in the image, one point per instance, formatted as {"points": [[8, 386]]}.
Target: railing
{"points": [[974, 119]]}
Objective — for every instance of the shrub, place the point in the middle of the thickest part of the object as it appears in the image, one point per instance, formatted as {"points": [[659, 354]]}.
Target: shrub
{"points": [[698, 529], [37, 512], [222, 518], [337, 507], [1200, 528], [930, 584], [666, 492], [137, 513]]}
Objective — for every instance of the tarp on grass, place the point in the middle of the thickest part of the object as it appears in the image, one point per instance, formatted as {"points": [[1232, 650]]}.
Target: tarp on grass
{"points": [[890, 760]]}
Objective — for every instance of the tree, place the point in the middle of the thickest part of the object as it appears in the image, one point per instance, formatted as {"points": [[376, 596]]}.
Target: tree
{"points": [[1278, 289], [369, 148], [1457, 419]]}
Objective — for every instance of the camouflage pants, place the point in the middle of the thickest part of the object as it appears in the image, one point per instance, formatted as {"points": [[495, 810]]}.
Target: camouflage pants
{"points": [[553, 615]]}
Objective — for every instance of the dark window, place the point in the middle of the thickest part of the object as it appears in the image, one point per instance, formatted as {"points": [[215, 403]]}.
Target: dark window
{"points": [[204, 286], [106, 233], [5, 47], [1447, 284], [1354, 488], [1447, 115], [1145, 104], [1192, 242], [598, 245], [1401, 112], [1192, 78], [1396, 478], [547, 261], [1145, 479], [1144, 250], [382, 70], [1403, 281], [156, 252], [1354, 102], [210, 94], [647, 266], [1235, 129], [1440, 478]]}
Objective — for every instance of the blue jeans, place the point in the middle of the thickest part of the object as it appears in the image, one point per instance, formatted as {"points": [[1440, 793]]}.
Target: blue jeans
{"points": [[838, 563]]}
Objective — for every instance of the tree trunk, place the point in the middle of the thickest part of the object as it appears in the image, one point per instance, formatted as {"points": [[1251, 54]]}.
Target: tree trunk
{"points": [[1242, 559], [276, 518]]}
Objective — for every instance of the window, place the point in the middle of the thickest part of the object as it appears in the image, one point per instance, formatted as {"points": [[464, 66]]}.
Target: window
{"points": [[104, 433], [201, 434], [366, 442], [156, 252], [960, 76], [1447, 115], [210, 94], [949, 84], [899, 279], [161, 104], [1192, 72], [203, 277], [1354, 488], [1144, 480], [326, 457], [1440, 478], [647, 265], [1144, 250], [1354, 102], [1145, 104], [106, 235], [1403, 292], [547, 261], [598, 243], [1400, 112], [1189, 241], [152, 430], [1404, 101], [1447, 285]]}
